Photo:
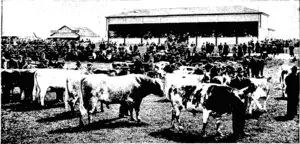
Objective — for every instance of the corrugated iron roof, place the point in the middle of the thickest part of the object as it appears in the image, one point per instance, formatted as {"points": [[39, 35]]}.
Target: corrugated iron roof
{"points": [[188, 11], [84, 31], [64, 35]]}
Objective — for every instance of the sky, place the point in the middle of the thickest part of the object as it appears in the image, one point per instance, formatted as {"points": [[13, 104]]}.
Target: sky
{"points": [[23, 17]]}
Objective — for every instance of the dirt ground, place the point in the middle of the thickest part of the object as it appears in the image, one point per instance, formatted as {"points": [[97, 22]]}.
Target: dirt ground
{"points": [[27, 123]]}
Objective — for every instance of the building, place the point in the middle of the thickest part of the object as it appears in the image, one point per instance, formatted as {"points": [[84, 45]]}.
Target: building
{"points": [[74, 33], [230, 24]]}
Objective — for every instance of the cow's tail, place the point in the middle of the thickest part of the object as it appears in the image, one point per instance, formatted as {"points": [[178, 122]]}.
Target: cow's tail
{"points": [[67, 94], [36, 88], [82, 102]]}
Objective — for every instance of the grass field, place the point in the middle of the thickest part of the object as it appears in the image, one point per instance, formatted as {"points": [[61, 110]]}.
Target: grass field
{"points": [[23, 123]]}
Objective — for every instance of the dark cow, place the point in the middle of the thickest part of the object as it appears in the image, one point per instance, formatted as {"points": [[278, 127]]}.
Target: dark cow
{"points": [[128, 90], [24, 79], [211, 99]]}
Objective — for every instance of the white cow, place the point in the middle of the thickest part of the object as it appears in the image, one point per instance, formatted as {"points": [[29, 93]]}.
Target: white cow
{"points": [[263, 87], [53, 79]]}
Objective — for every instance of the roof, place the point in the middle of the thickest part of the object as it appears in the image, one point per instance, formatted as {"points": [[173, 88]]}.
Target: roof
{"points": [[84, 31], [70, 32], [64, 35], [188, 11], [270, 29]]}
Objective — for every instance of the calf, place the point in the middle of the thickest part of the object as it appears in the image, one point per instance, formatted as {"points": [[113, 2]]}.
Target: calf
{"points": [[261, 92]]}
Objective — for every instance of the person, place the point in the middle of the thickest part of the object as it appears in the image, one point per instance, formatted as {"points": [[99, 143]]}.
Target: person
{"points": [[44, 64], [89, 69], [3, 62], [220, 48], [13, 63], [78, 66], [292, 90], [28, 64], [234, 51], [203, 48], [138, 66], [225, 50], [291, 48], [240, 51]]}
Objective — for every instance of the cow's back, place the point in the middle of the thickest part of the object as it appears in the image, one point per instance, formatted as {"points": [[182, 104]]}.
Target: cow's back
{"points": [[181, 80]]}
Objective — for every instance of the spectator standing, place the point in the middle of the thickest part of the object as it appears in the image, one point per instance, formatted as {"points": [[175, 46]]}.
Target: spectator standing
{"points": [[291, 48], [292, 90]]}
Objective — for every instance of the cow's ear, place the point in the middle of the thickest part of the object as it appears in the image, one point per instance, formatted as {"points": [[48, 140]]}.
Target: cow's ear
{"points": [[269, 79]]}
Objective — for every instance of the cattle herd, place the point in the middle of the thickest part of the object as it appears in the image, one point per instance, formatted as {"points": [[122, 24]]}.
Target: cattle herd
{"points": [[212, 88]]}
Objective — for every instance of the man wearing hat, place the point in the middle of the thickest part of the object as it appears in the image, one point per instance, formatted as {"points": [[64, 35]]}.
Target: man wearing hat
{"points": [[292, 90], [89, 69], [27, 64], [44, 63]]}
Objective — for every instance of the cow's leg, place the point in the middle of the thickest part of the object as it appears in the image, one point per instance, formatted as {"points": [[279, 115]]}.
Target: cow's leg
{"points": [[256, 102], [90, 118], [34, 93], [67, 101], [173, 119], [206, 114], [83, 113], [22, 92], [137, 110], [94, 102], [42, 94], [131, 113], [101, 107], [218, 118]]}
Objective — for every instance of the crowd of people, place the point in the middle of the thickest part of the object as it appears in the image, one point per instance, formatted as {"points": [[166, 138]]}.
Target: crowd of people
{"points": [[22, 54]]}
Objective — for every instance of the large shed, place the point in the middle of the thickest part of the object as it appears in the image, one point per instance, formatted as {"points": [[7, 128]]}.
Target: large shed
{"points": [[230, 24]]}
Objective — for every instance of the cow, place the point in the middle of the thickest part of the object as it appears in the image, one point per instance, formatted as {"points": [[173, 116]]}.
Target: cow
{"points": [[212, 100], [73, 90], [261, 92], [128, 90], [22, 78], [46, 80], [284, 71], [183, 79], [9, 79], [223, 79]]}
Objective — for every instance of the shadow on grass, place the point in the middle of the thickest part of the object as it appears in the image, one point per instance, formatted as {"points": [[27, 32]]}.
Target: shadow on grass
{"points": [[22, 107], [254, 115], [102, 124], [60, 116], [280, 98], [163, 101], [188, 137], [283, 118]]}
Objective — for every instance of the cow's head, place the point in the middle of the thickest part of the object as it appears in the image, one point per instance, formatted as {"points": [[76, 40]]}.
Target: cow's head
{"points": [[157, 87]]}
